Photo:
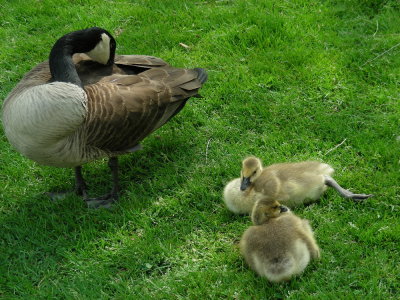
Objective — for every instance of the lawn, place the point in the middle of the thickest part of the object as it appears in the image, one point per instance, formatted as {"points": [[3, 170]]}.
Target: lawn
{"points": [[288, 81]]}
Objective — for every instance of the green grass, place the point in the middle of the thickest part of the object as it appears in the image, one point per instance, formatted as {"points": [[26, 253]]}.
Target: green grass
{"points": [[288, 81]]}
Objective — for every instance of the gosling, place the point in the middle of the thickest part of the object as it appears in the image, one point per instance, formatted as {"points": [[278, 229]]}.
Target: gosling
{"points": [[279, 245], [291, 184], [238, 201]]}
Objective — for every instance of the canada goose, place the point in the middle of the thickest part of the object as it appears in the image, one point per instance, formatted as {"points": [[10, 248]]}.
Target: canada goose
{"points": [[236, 200], [291, 183], [85, 103], [280, 245]]}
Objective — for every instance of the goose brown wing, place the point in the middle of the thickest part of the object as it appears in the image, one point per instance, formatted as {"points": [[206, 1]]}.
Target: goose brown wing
{"points": [[140, 61], [127, 60], [124, 109], [91, 72]]}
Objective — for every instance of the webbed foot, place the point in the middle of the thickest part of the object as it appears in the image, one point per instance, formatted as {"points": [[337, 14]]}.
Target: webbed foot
{"points": [[358, 197], [105, 201], [329, 181], [57, 196]]}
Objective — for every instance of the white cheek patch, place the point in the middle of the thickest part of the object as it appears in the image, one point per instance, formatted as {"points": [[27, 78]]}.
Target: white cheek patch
{"points": [[101, 53]]}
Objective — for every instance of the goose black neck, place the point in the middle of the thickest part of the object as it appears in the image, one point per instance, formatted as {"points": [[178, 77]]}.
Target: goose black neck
{"points": [[62, 67]]}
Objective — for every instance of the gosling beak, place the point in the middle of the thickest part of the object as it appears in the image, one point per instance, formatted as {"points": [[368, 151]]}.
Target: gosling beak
{"points": [[284, 209], [245, 183]]}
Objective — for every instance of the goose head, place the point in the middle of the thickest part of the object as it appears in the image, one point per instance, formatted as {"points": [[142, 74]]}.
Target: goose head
{"points": [[102, 45], [266, 209], [96, 42], [251, 170]]}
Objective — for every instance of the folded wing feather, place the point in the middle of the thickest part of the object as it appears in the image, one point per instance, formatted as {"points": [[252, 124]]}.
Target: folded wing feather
{"points": [[124, 109]]}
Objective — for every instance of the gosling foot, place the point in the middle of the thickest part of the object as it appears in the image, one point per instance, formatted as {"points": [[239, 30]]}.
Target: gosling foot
{"points": [[329, 181]]}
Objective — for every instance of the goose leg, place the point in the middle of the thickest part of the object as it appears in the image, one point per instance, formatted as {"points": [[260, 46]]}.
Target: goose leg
{"points": [[80, 187], [80, 184], [113, 165], [107, 200], [329, 181]]}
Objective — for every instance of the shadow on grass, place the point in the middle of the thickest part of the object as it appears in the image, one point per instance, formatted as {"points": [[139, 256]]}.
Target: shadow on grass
{"points": [[41, 239]]}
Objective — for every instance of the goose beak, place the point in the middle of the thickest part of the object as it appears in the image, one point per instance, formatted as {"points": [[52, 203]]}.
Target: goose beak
{"points": [[110, 61], [284, 209], [245, 183]]}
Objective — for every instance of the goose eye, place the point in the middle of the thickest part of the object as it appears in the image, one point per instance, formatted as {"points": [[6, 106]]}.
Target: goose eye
{"points": [[254, 172]]}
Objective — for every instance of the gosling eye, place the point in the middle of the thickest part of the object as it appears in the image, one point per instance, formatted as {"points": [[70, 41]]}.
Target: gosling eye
{"points": [[254, 172]]}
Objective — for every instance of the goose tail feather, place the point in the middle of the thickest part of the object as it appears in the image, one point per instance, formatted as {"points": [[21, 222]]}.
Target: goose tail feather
{"points": [[202, 75]]}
